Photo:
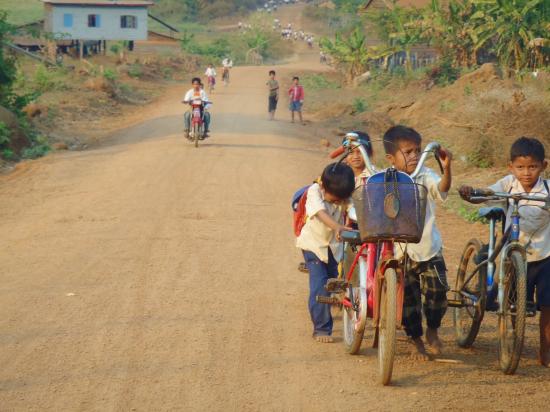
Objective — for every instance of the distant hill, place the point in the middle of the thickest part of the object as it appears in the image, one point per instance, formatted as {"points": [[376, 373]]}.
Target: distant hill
{"points": [[191, 10], [22, 11]]}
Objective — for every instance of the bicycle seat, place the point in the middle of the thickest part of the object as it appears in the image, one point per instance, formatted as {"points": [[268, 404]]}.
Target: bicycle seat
{"points": [[492, 213], [352, 237]]}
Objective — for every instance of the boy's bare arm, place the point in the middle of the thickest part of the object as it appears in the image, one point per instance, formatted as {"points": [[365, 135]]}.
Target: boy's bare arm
{"points": [[331, 223], [446, 158]]}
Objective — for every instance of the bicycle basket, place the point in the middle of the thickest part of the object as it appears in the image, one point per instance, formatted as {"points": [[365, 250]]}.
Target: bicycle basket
{"points": [[390, 206]]}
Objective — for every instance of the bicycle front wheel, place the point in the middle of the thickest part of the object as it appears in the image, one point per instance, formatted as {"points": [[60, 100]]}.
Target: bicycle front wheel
{"points": [[355, 319], [467, 318], [387, 324], [511, 319]]}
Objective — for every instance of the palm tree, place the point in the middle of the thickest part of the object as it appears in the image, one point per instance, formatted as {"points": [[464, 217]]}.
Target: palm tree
{"points": [[349, 52], [510, 25]]}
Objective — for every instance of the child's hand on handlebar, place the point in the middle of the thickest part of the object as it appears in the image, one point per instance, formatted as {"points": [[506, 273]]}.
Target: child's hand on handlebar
{"points": [[445, 156], [465, 192], [341, 228]]}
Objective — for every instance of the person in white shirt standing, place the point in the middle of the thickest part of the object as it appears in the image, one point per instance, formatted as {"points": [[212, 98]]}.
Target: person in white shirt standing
{"points": [[197, 92], [426, 272], [320, 239], [527, 163], [210, 74]]}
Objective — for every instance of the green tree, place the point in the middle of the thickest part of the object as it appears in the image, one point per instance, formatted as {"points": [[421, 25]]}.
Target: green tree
{"points": [[509, 26], [348, 51], [399, 28], [8, 70]]}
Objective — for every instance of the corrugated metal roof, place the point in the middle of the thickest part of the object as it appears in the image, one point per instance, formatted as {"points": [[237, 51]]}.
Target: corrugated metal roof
{"points": [[127, 3]]}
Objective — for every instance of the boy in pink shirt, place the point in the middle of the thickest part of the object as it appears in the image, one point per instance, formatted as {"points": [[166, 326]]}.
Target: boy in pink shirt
{"points": [[296, 95]]}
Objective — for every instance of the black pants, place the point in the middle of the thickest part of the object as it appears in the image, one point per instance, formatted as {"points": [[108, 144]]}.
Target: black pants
{"points": [[272, 106], [428, 279]]}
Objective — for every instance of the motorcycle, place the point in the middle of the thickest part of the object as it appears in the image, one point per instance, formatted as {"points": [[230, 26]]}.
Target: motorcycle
{"points": [[197, 131]]}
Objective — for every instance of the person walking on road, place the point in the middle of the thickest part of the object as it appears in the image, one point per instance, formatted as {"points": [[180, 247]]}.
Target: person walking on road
{"points": [[273, 98], [296, 95]]}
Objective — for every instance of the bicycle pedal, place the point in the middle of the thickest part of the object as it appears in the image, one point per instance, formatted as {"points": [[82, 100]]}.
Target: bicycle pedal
{"points": [[329, 300], [455, 303], [336, 285]]}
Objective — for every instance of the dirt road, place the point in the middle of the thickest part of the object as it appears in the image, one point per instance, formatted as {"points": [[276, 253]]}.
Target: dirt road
{"points": [[149, 275]]}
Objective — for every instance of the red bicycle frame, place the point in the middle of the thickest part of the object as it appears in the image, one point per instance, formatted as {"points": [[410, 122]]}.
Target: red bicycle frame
{"points": [[196, 117], [376, 266]]}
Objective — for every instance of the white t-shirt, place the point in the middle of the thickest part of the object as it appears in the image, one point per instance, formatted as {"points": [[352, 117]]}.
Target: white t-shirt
{"points": [[210, 72], [227, 63], [534, 222], [192, 94], [430, 243], [317, 237]]}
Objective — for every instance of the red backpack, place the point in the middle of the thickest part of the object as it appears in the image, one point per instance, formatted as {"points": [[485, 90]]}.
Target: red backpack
{"points": [[299, 207]]}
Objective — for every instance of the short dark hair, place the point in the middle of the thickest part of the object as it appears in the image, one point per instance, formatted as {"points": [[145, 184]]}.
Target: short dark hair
{"points": [[195, 79], [338, 180], [364, 136], [295, 78], [397, 134], [272, 72], [527, 146]]}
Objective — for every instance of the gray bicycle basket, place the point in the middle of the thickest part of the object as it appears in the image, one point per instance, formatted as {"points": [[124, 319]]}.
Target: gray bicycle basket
{"points": [[390, 206]]}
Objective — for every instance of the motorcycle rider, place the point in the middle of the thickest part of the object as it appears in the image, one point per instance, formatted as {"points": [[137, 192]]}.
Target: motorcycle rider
{"points": [[197, 92]]}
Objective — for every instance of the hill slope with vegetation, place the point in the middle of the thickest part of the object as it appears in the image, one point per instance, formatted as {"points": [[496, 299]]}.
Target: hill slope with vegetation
{"points": [[191, 10]]}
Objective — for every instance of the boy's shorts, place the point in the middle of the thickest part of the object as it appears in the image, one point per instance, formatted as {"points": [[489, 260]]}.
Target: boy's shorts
{"points": [[538, 276], [272, 105], [295, 106]]}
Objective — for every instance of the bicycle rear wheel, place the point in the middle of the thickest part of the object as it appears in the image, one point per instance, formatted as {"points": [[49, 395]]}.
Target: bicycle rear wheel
{"points": [[354, 321], [511, 319], [387, 324], [467, 319]]}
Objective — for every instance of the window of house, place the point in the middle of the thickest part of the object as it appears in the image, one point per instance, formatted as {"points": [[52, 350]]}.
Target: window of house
{"points": [[128, 22], [67, 20], [94, 20]]}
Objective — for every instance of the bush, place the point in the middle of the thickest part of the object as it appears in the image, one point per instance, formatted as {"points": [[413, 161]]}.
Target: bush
{"points": [[8, 154], [318, 82], [444, 73], [39, 148], [135, 70], [359, 105], [5, 134], [46, 80], [115, 48], [110, 75], [483, 153]]}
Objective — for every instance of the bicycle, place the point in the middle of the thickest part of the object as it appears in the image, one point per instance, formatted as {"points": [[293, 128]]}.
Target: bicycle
{"points": [[476, 288], [225, 76], [379, 290]]}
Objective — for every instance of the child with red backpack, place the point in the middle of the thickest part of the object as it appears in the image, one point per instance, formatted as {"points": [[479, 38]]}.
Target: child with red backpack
{"points": [[319, 239]]}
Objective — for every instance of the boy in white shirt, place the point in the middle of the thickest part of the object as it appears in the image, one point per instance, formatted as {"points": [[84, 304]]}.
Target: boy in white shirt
{"points": [[527, 163], [320, 239], [426, 271], [210, 74], [196, 92]]}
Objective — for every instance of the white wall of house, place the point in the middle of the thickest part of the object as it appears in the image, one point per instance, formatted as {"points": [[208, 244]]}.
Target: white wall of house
{"points": [[71, 22]]}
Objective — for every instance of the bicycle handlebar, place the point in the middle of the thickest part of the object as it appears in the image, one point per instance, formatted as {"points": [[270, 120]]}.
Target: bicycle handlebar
{"points": [[487, 194], [351, 142], [432, 147]]}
